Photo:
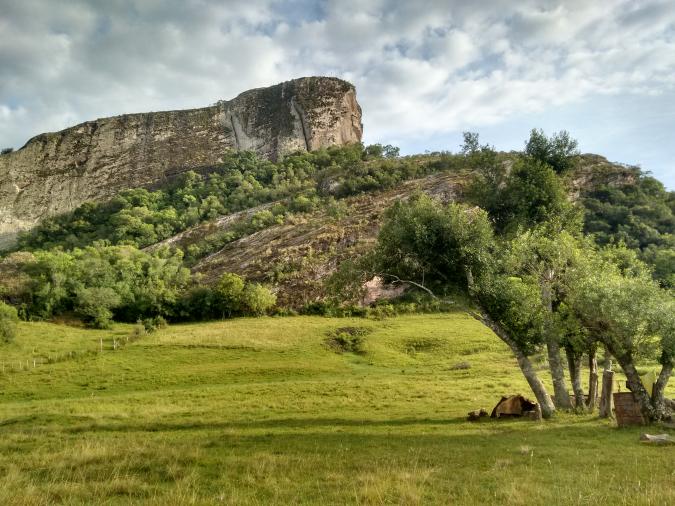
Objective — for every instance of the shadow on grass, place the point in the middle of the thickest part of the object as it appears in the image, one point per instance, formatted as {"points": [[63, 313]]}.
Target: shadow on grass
{"points": [[82, 424]]}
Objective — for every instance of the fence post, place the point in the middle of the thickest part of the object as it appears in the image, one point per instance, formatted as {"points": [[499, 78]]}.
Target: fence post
{"points": [[607, 388]]}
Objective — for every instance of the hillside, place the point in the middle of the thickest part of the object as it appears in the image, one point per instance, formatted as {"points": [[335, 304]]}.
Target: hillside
{"points": [[289, 224], [261, 411], [298, 255], [56, 172]]}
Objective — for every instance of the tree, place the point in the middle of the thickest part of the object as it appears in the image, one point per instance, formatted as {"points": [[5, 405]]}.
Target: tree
{"points": [[95, 306], [490, 173], [527, 194], [8, 321], [532, 195], [433, 246], [558, 151], [257, 299], [543, 256], [229, 294], [633, 318]]}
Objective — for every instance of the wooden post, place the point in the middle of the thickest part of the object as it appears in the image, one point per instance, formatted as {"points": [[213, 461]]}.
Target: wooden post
{"points": [[592, 381], [101, 345], [607, 388]]}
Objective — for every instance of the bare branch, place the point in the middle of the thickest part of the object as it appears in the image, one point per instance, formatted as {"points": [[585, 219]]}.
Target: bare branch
{"points": [[396, 279]]}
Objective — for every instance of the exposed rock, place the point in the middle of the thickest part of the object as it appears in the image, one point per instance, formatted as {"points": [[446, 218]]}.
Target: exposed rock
{"points": [[376, 289], [55, 172], [297, 256]]}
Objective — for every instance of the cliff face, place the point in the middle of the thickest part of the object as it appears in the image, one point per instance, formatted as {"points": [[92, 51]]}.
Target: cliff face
{"points": [[55, 172]]}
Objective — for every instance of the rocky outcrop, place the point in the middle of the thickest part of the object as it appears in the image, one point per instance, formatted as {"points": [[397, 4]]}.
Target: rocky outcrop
{"points": [[55, 172]]}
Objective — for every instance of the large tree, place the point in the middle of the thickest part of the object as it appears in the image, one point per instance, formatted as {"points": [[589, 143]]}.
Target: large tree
{"points": [[435, 246]]}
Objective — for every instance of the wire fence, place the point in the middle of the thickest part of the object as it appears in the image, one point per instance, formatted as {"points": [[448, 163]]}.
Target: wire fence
{"points": [[37, 359]]}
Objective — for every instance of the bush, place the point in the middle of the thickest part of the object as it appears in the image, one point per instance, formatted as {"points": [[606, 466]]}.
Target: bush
{"points": [[229, 294], [8, 321], [152, 324], [347, 340], [257, 300]]}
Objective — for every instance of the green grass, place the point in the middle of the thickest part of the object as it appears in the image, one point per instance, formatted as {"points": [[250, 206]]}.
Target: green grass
{"points": [[262, 411]]}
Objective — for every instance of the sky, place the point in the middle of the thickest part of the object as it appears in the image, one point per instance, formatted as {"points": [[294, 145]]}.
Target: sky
{"points": [[424, 70]]}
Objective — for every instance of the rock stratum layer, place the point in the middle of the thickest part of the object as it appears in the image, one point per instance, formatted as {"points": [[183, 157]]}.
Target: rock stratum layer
{"points": [[56, 172]]}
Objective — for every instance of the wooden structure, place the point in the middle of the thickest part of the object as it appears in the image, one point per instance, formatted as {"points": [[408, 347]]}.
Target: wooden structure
{"points": [[627, 410]]}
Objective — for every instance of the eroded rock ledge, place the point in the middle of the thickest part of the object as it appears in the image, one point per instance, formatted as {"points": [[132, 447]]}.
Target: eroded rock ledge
{"points": [[55, 172]]}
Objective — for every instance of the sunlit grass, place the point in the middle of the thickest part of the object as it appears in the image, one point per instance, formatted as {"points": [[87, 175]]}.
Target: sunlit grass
{"points": [[261, 411]]}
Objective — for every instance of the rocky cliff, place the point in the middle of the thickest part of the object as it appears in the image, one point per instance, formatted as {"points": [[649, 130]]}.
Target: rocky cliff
{"points": [[55, 172]]}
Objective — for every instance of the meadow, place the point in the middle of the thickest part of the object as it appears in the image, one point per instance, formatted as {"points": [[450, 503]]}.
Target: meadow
{"points": [[264, 411]]}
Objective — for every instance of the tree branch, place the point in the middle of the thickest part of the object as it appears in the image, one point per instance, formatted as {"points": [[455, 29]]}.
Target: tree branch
{"points": [[396, 279]]}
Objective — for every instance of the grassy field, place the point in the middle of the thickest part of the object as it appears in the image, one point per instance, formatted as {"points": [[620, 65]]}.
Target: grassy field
{"points": [[261, 411]]}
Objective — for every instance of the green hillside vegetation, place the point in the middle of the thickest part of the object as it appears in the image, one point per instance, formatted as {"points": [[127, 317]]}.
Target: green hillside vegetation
{"points": [[640, 215], [516, 190], [141, 217], [265, 411]]}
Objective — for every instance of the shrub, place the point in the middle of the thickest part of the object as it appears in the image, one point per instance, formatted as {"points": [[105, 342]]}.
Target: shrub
{"points": [[229, 292], [257, 299], [347, 340], [152, 324], [8, 321]]}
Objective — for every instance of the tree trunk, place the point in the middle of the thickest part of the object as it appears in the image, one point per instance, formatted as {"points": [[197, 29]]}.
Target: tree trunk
{"points": [[635, 385], [574, 364], [537, 386], [560, 394], [606, 396], [592, 379], [658, 398], [607, 387], [562, 398]]}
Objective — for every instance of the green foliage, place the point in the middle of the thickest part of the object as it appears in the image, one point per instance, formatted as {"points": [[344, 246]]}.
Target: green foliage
{"points": [[531, 195], [347, 339], [8, 321], [229, 293], [626, 309], [433, 244], [346, 284], [150, 325], [101, 282], [95, 305], [558, 151], [231, 296], [516, 304], [640, 214], [528, 194], [257, 300], [490, 173], [380, 151], [141, 217]]}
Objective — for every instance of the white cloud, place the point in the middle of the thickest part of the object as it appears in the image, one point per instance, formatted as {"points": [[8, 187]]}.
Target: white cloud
{"points": [[421, 68]]}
